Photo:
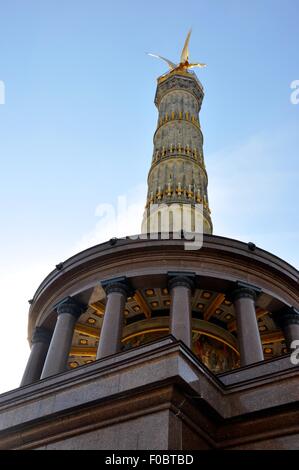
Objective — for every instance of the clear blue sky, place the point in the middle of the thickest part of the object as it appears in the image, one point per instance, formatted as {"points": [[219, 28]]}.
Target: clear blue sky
{"points": [[77, 125]]}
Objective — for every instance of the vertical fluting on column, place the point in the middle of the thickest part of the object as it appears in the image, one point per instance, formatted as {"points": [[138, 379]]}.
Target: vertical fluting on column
{"points": [[250, 345], [117, 291], [180, 287], [39, 348], [288, 319], [68, 311]]}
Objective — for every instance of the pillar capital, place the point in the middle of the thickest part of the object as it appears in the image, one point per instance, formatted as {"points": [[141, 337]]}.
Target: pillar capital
{"points": [[182, 279], [71, 306], [287, 316], [244, 290], [118, 284], [41, 335]]}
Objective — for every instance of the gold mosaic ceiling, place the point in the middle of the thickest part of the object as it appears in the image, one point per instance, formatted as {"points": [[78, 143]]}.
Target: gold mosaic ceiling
{"points": [[150, 303]]}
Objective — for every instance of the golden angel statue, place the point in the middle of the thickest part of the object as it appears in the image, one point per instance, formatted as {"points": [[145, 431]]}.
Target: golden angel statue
{"points": [[184, 62]]}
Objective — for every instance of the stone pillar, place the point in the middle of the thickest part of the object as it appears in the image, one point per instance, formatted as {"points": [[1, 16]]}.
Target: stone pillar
{"points": [[180, 286], [250, 345], [117, 291], [39, 347], [68, 311], [288, 320]]}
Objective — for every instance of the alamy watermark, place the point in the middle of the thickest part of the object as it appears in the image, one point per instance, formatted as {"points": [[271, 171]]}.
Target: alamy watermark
{"points": [[2, 92], [176, 221], [294, 98], [294, 358], [160, 221]]}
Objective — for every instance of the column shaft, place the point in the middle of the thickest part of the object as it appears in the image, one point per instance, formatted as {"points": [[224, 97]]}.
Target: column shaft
{"points": [[111, 331], [291, 333], [249, 340], [57, 357], [180, 310], [288, 319], [40, 345]]}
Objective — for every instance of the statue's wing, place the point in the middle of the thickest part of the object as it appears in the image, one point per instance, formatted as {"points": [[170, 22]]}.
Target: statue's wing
{"points": [[185, 51], [191, 66], [170, 64]]}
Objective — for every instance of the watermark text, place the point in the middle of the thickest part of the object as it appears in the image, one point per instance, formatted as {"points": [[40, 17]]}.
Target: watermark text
{"points": [[294, 358], [294, 98]]}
